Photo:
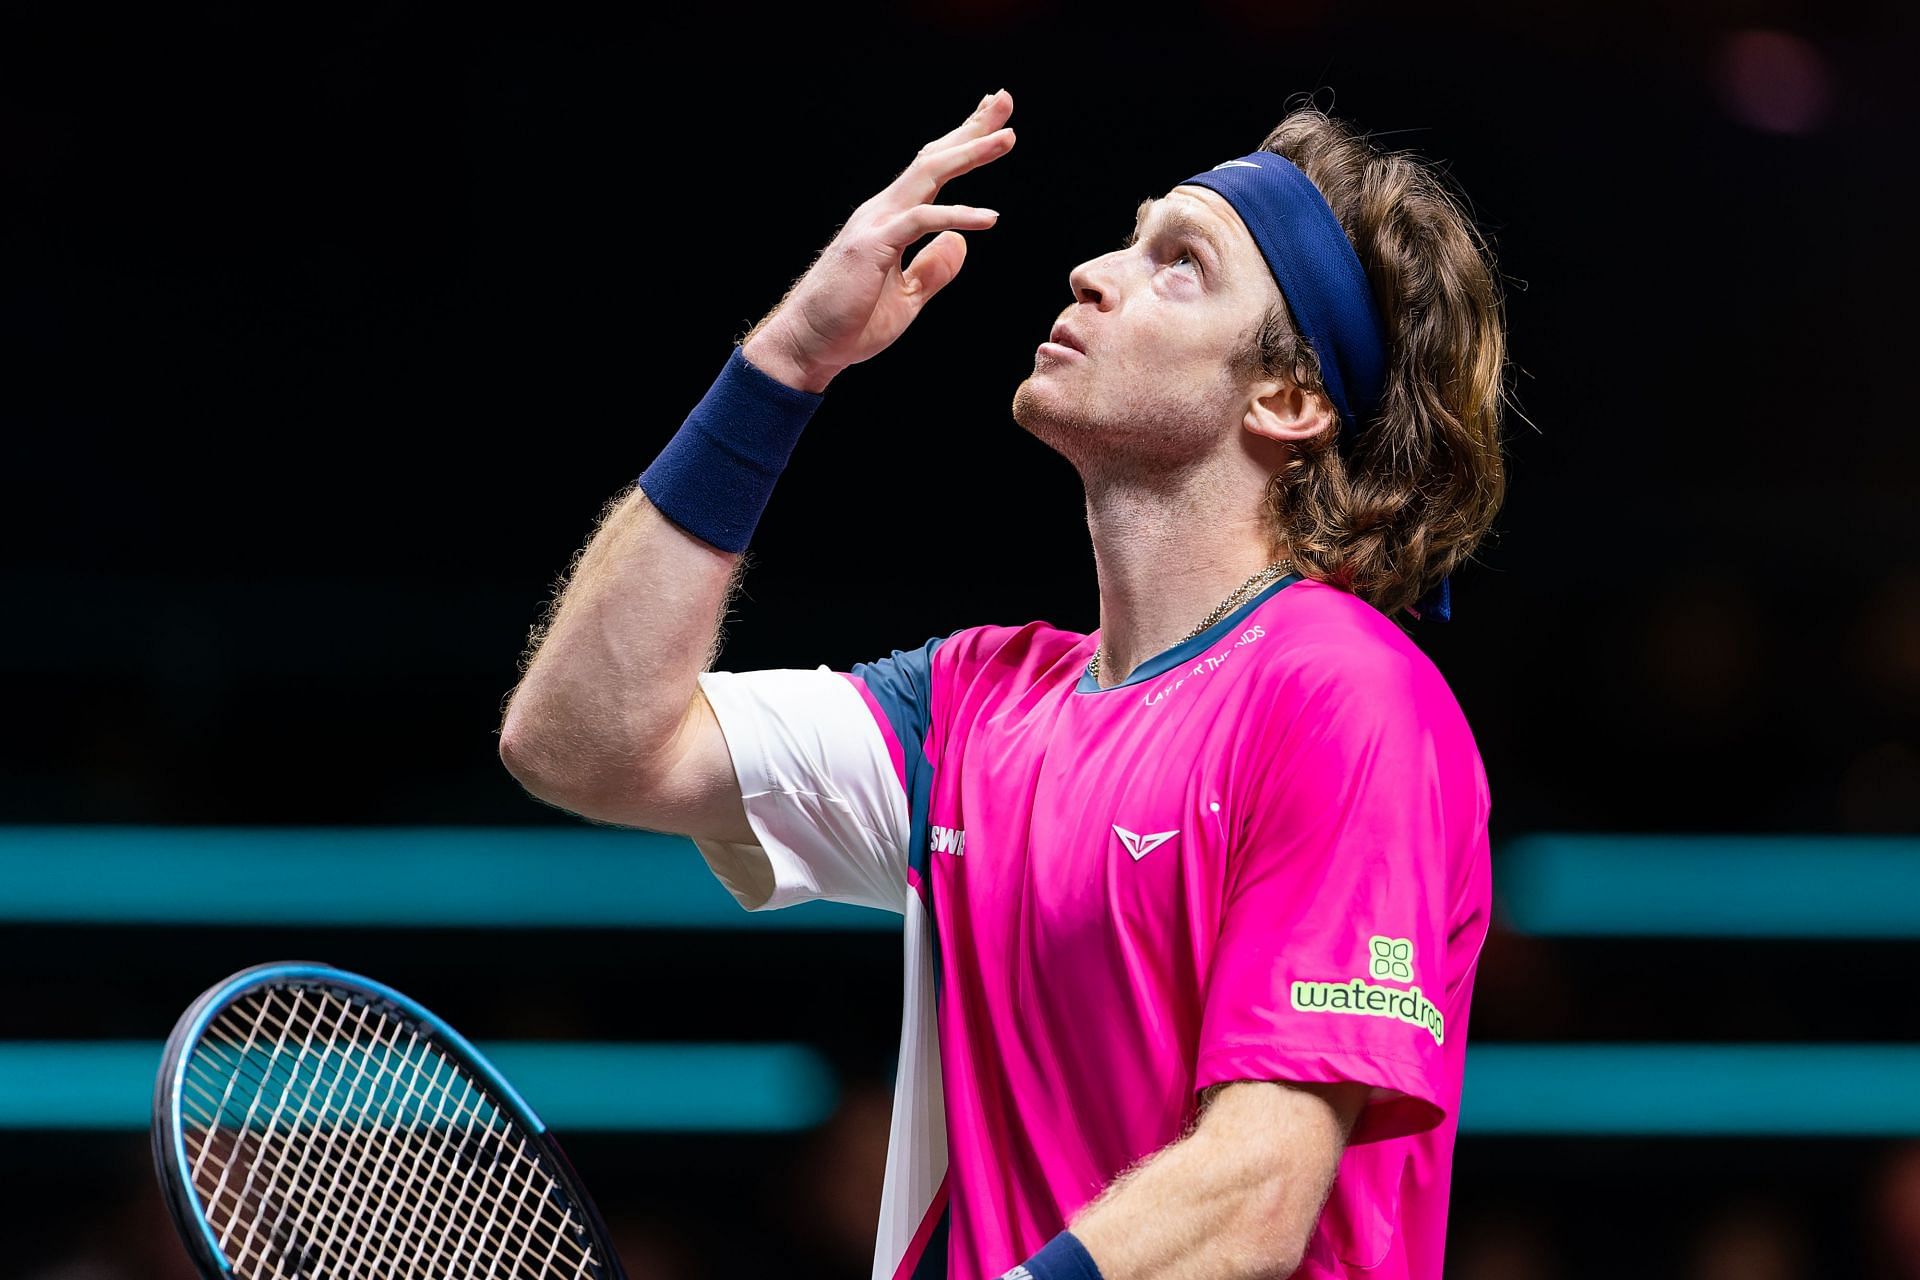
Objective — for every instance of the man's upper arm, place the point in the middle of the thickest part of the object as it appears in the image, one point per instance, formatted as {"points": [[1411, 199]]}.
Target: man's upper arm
{"points": [[694, 791], [817, 784], [797, 784]]}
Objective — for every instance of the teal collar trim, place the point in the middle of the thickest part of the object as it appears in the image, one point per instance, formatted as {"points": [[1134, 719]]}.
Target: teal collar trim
{"points": [[1186, 650]]}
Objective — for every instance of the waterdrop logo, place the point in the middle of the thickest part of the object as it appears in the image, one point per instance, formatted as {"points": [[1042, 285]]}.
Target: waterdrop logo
{"points": [[1387, 958], [1392, 958]]}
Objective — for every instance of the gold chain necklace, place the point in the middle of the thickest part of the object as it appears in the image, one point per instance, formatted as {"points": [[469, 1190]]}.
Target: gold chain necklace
{"points": [[1272, 571]]}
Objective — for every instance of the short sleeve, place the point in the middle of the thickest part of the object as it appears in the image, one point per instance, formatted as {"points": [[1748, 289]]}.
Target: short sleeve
{"points": [[821, 759], [1332, 959]]}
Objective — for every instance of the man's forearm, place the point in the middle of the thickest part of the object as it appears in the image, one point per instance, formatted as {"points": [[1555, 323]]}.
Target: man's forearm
{"points": [[1220, 1204], [610, 672]]}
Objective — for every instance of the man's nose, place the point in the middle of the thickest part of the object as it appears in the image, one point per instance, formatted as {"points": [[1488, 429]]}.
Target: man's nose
{"points": [[1092, 280]]}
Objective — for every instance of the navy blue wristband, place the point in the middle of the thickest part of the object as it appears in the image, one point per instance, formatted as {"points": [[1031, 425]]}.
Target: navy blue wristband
{"points": [[714, 477], [1061, 1258]]}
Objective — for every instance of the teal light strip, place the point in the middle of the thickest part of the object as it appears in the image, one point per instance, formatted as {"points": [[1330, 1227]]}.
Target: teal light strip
{"points": [[1773, 1090], [382, 876], [1757, 886], [1550, 884], [1672, 1090], [703, 1088]]}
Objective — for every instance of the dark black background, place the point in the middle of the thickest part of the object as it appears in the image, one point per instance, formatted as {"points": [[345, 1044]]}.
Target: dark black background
{"points": [[327, 333]]}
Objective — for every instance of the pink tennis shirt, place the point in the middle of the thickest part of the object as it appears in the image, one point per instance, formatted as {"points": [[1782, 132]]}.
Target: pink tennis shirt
{"points": [[1263, 857]]}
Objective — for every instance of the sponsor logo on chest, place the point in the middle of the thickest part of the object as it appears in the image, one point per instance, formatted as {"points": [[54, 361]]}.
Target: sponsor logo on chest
{"points": [[1140, 845], [953, 840], [947, 840]]}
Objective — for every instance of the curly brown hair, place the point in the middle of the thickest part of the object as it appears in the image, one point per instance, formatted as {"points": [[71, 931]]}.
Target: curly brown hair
{"points": [[1423, 481]]}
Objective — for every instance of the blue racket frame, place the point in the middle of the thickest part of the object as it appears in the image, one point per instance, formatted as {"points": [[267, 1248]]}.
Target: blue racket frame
{"points": [[168, 1130]]}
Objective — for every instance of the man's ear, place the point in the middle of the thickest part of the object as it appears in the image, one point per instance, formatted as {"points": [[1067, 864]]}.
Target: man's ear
{"points": [[1281, 410]]}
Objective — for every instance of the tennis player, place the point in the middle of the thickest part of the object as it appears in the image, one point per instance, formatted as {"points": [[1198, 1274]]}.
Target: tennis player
{"points": [[1193, 902]]}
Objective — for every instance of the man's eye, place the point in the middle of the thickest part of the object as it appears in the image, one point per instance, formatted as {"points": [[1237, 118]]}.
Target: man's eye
{"points": [[1186, 253]]}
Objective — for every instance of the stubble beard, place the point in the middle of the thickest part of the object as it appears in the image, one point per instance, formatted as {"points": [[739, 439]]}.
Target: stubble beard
{"points": [[1144, 439]]}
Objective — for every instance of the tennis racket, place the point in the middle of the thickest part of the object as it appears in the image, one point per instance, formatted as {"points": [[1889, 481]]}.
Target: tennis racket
{"points": [[312, 1124]]}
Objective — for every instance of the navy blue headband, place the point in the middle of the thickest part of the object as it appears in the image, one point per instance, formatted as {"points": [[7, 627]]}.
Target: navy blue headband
{"points": [[1325, 287]]}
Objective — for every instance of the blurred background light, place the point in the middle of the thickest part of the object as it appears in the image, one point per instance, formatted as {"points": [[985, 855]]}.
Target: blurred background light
{"points": [[1752, 1090], [381, 876], [754, 1088], [1773, 81], [1776, 886]]}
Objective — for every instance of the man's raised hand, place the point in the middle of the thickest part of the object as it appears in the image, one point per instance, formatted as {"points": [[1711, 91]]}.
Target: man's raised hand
{"points": [[856, 298]]}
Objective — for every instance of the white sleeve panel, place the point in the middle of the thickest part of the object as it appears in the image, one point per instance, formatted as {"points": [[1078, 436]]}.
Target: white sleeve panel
{"points": [[820, 792]]}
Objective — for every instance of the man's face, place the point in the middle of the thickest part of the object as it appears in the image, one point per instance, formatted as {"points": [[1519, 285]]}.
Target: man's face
{"points": [[1159, 320]]}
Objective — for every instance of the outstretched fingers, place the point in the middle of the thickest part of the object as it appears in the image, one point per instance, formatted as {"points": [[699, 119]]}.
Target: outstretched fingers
{"points": [[903, 228], [988, 116], [978, 141]]}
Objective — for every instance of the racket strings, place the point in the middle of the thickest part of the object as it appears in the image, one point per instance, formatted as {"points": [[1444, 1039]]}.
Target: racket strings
{"points": [[332, 1141], [432, 1241], [424, 1237]]}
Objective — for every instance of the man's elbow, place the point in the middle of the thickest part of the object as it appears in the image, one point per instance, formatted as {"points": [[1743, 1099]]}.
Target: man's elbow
{"points": [[541, 748], [515, 759], [536, 772], [529, 779]]}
